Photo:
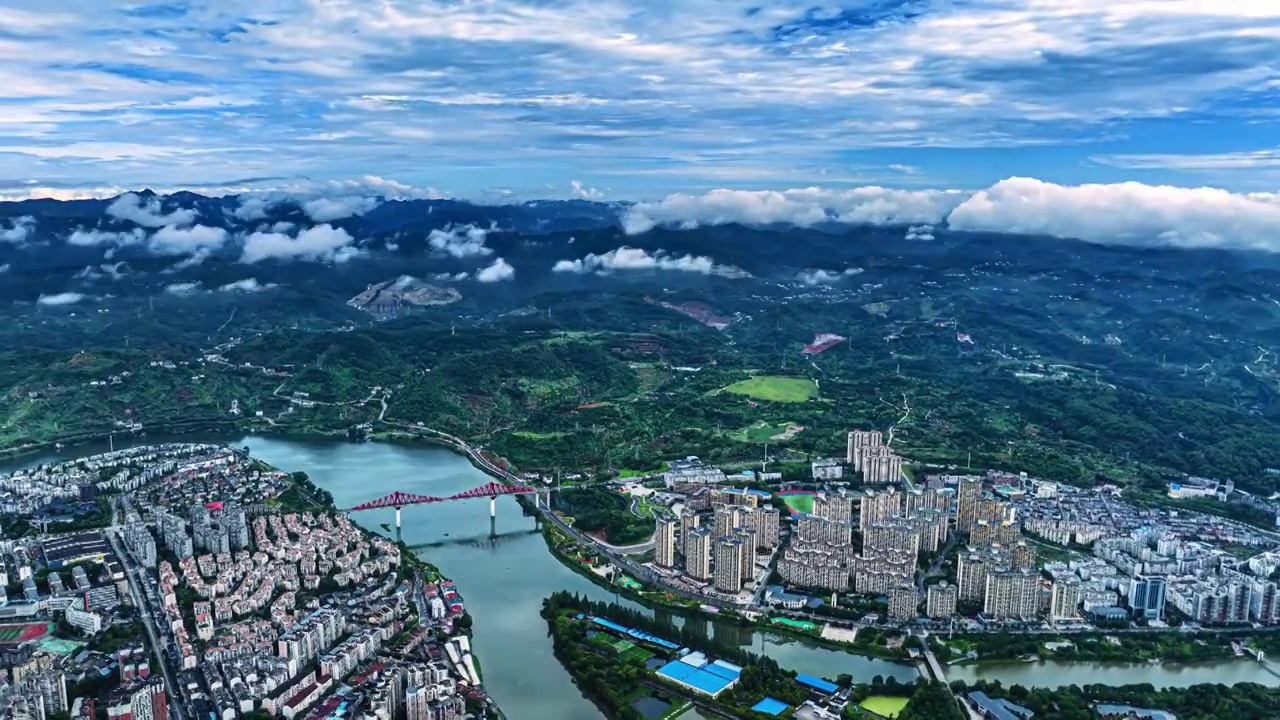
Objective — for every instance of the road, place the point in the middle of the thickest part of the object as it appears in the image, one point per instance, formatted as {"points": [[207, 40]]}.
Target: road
{"points": [[145, 610]]}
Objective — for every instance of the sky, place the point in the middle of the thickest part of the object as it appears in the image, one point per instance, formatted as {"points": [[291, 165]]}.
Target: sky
{"points": [[639, 100]]}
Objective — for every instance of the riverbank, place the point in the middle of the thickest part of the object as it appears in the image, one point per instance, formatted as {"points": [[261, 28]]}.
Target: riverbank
{"points": [[618, 658], [557, 545]]}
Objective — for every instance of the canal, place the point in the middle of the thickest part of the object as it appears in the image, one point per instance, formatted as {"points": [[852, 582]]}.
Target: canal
{"points": [[505, 576]]}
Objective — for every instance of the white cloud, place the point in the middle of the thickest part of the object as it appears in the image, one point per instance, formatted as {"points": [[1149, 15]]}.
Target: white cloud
{"points": [[461, 241], [920, 232], [66, 298], [196, 240], [803, 207], [254, 207], [87, 237], [328, 209], [19, 231], [454, 277], [629, 258], [584, 193], [321, 243], [498, 271], [282, 227], [818, 276], [93, 273], [1125, 213], [149, 213], [247, 285], [182, 288]]}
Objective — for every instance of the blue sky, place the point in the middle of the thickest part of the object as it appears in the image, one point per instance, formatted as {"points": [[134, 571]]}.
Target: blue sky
{"points": [[641, 99]]}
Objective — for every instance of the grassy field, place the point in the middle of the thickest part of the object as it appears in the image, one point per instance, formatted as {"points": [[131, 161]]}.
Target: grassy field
{"points": [[530, 435], [763, 432], [884, 705], [801, 503], [776, 388]]}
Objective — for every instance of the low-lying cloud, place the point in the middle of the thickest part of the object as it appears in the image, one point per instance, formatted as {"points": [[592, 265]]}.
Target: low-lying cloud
{"points": [[628, 258], [195, 240], [328, 209], [19, 230], [1126, 213], [90, 237], [188, 288], [920, 232], [802, 207], [497, 272], [66, 298], [322, 243], [819, 276], [247, 285], [460, 241], [148, 213]]}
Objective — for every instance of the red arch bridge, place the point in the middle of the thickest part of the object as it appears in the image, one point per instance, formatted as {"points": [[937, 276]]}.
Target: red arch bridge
{"points": [[399, 499]]}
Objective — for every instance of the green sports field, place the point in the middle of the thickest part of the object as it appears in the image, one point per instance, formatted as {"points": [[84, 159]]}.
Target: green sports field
{"points": [[776, 388], [884, 705], [800, 503]]}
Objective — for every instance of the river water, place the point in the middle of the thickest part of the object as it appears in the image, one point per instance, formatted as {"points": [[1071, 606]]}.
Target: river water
{"points": [[504, 578]]}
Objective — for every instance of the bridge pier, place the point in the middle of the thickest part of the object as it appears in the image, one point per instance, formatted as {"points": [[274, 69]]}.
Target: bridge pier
{"points": [[493, 507], [397, 523]]}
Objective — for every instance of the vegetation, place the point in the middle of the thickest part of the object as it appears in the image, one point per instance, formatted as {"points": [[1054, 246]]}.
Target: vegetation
{"points": [[1172, 647], [614, 683], [597, 510], [934, 701], [607, 382], [775, 388], [1243, 701]]}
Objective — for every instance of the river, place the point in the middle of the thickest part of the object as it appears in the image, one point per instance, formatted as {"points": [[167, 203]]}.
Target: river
{"points": [[504, 578]]}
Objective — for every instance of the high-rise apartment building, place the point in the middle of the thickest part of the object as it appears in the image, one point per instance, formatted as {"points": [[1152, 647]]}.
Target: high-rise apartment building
{"points": [[833, 506], [968, 493], [832, 532], [880, 465], [688, 522], [665, 541], [859, 439], [896, 538], [697, 554], [728, 564], [972, 568], [903, 600], [748, 538], [1264, 605], [941, 600], [877, 506], [1022, 556], [1012, 594], [1064, 601], [768, 523]]}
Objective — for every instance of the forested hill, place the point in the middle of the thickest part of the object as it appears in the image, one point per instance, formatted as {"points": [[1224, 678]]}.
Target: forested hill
{"points": [[577, 347]]}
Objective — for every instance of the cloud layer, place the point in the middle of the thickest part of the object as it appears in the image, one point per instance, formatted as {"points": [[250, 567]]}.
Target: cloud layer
{"points": [[629, 258], [460, 242], [322, 243], [698, 93], [1122, 213], [803, 207]]}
